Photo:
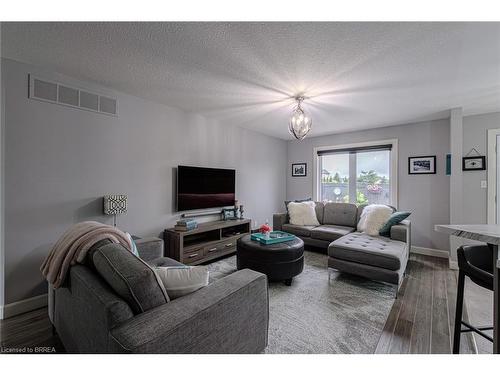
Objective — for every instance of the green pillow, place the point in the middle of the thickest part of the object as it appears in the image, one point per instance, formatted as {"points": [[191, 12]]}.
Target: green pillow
{"points": [[396, 218]]}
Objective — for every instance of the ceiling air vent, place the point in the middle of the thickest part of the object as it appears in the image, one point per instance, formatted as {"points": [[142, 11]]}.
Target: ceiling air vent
{"points": [[89, 101], [41, 89], [67, 95], [45, 90], [107, 105]]}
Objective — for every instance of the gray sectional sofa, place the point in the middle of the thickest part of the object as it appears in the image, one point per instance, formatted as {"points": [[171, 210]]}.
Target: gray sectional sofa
{"points": [[378, 258], [229, 315]]}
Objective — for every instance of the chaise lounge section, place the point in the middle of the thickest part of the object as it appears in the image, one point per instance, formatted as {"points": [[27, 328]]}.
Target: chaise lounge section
{"points": [[374, 257]]}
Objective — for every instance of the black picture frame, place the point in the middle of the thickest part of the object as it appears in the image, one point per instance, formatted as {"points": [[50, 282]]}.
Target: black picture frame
{"points": [[296, 170], [413, 159], [229, 214], [468, 161]]}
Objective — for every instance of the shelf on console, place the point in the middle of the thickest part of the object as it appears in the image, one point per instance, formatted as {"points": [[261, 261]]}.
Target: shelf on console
{"points": [[207, 242]]}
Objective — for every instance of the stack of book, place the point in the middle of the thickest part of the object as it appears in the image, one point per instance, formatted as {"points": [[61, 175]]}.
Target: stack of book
{"points": [[185, 225]]}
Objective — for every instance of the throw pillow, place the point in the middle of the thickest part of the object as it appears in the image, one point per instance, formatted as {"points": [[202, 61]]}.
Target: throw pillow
{"points": [[296, 201], [303, 213], [134, 246], [130, 277], [373, 217], [182, 280], [395, 218]]}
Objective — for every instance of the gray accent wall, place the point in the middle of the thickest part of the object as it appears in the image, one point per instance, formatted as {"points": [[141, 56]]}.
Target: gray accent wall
{"points": [[426, 196], [60, 161], [475, 135]]}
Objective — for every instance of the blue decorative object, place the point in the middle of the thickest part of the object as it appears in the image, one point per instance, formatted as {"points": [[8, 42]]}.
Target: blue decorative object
{"points": [[274, 237]]}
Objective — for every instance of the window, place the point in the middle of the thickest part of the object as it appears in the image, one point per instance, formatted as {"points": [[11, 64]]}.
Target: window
{"points": [[362, 173]]}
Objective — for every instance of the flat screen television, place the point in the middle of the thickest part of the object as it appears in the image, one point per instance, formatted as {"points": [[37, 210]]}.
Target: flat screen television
{"points": [[204, 187]]}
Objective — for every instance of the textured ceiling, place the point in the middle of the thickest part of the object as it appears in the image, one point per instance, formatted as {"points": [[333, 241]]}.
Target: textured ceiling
{"points": [[356, 75]]}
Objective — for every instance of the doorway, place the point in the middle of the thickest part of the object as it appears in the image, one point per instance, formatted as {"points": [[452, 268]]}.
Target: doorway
{"points": [[493, 176]]}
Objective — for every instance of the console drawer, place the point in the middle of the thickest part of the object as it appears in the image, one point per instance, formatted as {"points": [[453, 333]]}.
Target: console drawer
{"points": [[193, 256], [212, 249], [227, 244], [220, 247]]}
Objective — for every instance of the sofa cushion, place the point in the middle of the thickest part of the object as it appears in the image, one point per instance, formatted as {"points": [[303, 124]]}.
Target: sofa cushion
{"points": [[130, 277], [373, 218], [182, 280], [164, 262], [320, 208], [330, 232], [340, 214], [361, 207], [296, 201], [374, 251], [298, 230], [303, 213]]}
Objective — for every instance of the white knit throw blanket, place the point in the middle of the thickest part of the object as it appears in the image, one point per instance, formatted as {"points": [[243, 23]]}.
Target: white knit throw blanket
{"points": [[73, 246]]}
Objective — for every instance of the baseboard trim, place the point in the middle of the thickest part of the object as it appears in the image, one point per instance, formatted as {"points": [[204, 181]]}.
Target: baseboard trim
{"points": [[23, 306], [453, 264], [431, 252]]}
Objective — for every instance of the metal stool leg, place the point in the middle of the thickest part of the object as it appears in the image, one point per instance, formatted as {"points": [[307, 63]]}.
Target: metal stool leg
{"points": [[458, 312]]}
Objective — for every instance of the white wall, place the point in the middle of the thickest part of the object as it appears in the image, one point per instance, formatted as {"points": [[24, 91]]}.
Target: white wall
{"points": [[426, 196], [60, 161]]}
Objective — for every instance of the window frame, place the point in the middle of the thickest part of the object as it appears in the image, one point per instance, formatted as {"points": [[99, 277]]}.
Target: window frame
{"points": [[393, 178]]}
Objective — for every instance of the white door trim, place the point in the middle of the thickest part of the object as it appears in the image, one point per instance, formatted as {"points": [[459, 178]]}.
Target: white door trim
{"points": [[492, 174], [393, 168]]}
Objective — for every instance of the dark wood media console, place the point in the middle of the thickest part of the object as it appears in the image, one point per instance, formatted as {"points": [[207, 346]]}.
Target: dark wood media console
{"points": [[207, 242]]}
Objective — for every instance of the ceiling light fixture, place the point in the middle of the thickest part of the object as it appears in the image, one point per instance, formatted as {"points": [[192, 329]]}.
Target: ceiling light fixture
{"points": [[300, 122]]}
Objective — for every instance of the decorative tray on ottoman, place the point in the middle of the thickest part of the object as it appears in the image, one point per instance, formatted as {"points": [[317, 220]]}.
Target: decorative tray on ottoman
{"points": [[275, 237]]}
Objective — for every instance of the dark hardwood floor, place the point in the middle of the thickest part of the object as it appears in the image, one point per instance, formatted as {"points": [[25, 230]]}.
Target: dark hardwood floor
{"points": [[420, 320], [29, 333]]}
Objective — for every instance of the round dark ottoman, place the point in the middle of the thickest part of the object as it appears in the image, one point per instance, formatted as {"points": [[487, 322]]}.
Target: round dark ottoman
{"points": [[280, 262]]}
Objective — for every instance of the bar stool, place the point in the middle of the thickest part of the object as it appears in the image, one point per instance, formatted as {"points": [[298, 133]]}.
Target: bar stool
{"points": [[475, 262]]}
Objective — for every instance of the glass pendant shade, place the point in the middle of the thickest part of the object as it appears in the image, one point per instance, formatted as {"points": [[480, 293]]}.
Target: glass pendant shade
{"points": [[300, 122]]}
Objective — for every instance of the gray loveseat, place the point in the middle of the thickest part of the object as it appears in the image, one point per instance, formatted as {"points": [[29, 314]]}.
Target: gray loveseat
{"points": [[229, 315], [378, 258]]}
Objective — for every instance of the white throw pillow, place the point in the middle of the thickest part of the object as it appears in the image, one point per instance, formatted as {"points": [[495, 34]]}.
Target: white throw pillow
{"points": [[302, 213], [182, 280], [373, 218]]}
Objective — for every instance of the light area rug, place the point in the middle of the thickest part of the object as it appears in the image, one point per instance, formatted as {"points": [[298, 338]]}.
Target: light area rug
{"points": [[318, 314]]}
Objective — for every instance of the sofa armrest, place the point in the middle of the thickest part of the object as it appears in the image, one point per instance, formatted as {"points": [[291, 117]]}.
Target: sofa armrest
{"points": [[279, 220], [402, 232], [149, 248], [230, 315]]}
